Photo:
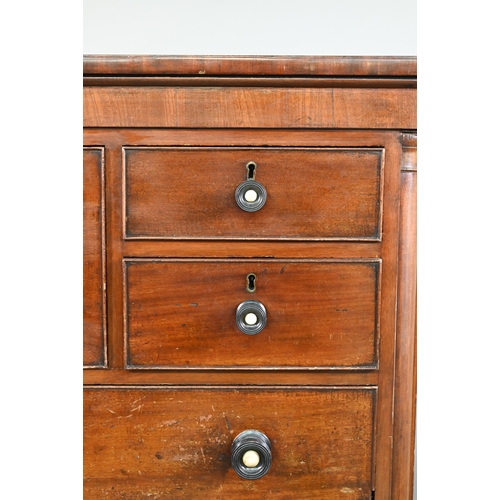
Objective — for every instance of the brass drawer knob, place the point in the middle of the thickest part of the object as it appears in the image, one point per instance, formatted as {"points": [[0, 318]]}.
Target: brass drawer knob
{"points": [[251, 454], [251, 317]]}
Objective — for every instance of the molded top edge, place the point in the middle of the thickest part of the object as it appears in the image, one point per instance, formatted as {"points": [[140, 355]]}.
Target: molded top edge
{"points": [[157, 65]]}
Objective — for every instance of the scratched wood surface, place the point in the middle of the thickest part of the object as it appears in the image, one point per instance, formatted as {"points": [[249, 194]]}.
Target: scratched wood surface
{"points": [[176, 443], [94, 323], [311, 193], [319, 314]]}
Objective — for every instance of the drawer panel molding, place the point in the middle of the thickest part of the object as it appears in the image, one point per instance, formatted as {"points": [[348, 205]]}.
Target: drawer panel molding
{"points": [[182, 313], [312, 193], [94, 259]]}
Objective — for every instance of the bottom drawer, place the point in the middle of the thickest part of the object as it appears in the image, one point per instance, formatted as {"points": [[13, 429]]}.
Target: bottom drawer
{"points": [[157, 442]]}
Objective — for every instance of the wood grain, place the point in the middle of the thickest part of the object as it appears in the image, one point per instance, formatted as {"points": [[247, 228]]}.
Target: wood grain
{"points": [[253, 249], [323, 377], [175, 443], [233, 137], [94, 276], [319, 314], [405, 391], [251, 65], [313, 194], [193, 107], [375, 108], [409, 144], [384, 441]]}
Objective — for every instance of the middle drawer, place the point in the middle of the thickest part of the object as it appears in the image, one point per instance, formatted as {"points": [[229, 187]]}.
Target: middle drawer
{"points": [[183, 313]]}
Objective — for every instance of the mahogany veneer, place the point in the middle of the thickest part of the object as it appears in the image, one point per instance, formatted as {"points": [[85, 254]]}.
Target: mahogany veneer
{"points": [[170, 378]]}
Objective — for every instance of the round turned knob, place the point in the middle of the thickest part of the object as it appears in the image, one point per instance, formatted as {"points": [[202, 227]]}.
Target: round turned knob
{"points": [[251, 454], [250, 195], [251, 317]]}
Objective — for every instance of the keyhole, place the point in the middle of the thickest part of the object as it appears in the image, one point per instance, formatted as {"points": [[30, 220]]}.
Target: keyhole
{"points": [[251, 166], [251, 278]]}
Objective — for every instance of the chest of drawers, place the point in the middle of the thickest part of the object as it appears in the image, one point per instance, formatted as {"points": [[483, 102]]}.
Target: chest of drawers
{"points": [[249, 277]]}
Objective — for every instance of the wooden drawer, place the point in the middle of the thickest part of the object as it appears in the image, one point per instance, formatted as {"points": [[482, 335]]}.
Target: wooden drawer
{"points": [[94, 289], [176, 442], [182, 313], [312, 193]]}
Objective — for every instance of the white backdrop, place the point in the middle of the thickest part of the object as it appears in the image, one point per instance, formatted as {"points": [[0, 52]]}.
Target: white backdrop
{"points": [[252, 27]]}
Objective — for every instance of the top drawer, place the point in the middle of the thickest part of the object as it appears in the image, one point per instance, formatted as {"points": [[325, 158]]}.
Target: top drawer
{"points": [[312, 193]]}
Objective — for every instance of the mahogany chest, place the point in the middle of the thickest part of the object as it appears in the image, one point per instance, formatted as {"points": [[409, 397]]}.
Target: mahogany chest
{"points": [[249, 277]]}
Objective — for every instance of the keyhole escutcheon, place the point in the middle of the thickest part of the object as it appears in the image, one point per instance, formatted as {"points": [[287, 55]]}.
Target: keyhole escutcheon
{"points": [[251, 279]]}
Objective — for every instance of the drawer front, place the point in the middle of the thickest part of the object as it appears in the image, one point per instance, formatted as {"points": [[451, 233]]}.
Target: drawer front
{"points": [[176, 442], [312, 194], [94, 302], [244, 107], [182, 313]]}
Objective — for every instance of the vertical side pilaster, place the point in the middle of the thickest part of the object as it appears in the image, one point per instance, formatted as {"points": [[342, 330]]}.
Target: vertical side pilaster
{"points": [[405, 368]]}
